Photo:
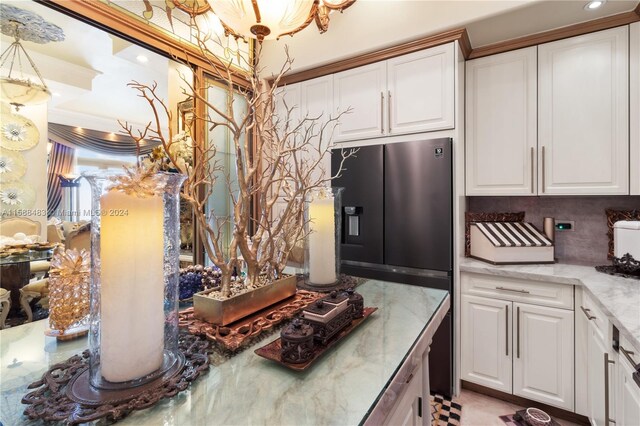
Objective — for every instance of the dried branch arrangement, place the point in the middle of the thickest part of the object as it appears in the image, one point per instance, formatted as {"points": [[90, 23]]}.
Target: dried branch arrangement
{"points": [[278, 161]]}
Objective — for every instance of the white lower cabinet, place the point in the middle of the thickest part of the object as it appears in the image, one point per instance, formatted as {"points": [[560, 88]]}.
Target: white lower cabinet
{"points": [[597, 361], [486, 342], [543, 348], [628, 394], [524, 349], [408, 410]]}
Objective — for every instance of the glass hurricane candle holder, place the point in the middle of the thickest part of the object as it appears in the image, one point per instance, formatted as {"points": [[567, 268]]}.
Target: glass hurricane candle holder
{"points": [[323, 229], [135, 247]]}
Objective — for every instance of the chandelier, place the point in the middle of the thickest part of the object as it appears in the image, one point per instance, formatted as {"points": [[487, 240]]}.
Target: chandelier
{"points": [[266, 19], [21, 82]]}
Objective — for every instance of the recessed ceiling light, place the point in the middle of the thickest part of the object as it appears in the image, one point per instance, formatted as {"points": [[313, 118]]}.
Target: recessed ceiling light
{"points": [[594, 4], [143, 59]]}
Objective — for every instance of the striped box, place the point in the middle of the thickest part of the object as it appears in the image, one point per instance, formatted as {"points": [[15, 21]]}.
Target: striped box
{"points": [[504, 243]]}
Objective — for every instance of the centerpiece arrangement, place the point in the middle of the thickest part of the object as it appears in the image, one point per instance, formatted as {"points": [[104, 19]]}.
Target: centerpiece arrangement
{"points": [[278, 163]]}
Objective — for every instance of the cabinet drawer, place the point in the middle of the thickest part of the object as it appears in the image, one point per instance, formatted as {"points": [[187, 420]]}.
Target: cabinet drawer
{"points": [[517, 290], [595, 315]]}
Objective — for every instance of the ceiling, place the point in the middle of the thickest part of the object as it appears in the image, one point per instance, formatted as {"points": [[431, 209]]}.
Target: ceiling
{"points": [[540, 16], [88, 73], [371, 25]]}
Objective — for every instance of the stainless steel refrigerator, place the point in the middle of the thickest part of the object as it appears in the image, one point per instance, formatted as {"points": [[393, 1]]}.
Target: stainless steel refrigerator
{"points": [[398, 225]]}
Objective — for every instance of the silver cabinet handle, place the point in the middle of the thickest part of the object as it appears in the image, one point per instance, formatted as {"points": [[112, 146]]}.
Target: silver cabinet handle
{"points": [[586, 312], [607, 361], [533, 189], [506, 330], [518, 332], [382, 113], [513, 289], [389, 110], [627, 354], [543, 171]]}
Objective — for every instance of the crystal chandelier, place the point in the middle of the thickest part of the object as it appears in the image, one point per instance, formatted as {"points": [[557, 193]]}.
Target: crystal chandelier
{"points": [[21, 82], [267, 19]]}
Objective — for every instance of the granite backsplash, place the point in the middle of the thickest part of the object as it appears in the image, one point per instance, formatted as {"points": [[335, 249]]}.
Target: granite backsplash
{"points": [[587, 244]]}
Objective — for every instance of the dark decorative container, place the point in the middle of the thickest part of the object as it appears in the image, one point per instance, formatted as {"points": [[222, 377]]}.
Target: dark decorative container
{"points": [[335, 320], [297, 342], [357, 301]]}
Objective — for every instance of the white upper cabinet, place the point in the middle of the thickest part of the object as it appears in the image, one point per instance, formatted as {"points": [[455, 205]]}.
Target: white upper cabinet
{"points": [[287, 106], [501, 126], [420, 91], [412, 93], [363, 90], [634, 113], [583, 115], [316, 103]]}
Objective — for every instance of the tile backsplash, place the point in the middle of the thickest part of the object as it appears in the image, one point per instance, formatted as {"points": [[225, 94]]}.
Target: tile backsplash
{"points": [[588, 243]]}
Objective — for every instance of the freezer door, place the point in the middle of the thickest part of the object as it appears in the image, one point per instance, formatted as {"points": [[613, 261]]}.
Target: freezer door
{"points": [[363, 206], [418, 200]]}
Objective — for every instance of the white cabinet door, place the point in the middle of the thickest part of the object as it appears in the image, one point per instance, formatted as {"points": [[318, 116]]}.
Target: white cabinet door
{"points": [[501, 126], [287, 107], [316, 103], [628, 396], [596, 357], [543, 354], [363, 90], [407, 410], [634, 113], [421, 91], [582, 353], [486, 342], [583, 114]]}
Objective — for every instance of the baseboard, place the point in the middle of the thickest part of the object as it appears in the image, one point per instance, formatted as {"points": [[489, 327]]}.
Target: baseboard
{"points": [[524, 402]]}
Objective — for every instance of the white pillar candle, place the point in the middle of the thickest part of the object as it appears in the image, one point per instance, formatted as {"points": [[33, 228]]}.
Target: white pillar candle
{"points": [[322, 242], [132, 286]]}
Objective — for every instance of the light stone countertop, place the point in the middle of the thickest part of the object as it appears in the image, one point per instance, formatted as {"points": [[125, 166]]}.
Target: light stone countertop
{"points": [[340, 389], [619, 298]]}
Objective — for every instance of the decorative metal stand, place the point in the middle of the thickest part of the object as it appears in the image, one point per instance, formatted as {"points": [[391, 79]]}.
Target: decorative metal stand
{"points": [[65, 395], [625, 266]]}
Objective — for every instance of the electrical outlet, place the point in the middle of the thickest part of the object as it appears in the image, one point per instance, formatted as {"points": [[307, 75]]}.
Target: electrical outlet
{"points": [[565, 225]]}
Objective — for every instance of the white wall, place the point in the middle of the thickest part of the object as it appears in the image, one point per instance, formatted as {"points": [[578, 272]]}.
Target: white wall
{"points": [[370, 25]]}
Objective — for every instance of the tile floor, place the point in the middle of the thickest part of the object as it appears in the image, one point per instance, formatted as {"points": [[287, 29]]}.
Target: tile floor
{"points": [[482, 410]]}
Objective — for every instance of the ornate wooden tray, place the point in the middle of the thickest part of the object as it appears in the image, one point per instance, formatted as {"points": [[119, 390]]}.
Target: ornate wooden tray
{"points": [[272, 350], [241, 333]]}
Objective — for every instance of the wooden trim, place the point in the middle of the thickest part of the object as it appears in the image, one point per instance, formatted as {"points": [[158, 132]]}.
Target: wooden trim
{"points": [[605, 23], [459, 35], [524, 402], [111, 20]]}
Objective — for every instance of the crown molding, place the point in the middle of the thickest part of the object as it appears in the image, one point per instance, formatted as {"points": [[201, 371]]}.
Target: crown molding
{"points": [[460, 35], [599, 24]]}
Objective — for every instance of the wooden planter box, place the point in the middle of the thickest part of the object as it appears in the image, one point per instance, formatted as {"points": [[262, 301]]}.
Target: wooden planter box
{"points": [[224, 312]]}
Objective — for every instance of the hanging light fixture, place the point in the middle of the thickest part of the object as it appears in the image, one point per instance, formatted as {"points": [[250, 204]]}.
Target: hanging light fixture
{"points": [[267, 19], [21, 82]]}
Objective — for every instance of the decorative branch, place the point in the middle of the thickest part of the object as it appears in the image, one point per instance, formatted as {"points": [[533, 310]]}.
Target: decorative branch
{"points": [[278, 162]]}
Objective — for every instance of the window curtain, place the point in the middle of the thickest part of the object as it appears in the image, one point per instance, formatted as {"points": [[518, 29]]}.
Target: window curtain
{"points": [[60, 163], [94, 140]]}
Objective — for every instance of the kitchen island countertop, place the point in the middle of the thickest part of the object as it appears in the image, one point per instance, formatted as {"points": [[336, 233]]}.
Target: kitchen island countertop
{"points": [[618, 297], [340, 389]]}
